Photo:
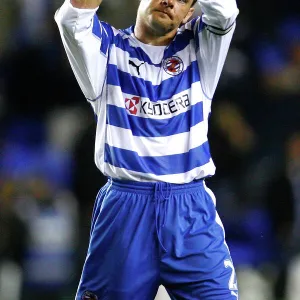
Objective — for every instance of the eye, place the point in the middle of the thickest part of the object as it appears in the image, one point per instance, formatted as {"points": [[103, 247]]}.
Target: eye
{"points": [[183, 1]]}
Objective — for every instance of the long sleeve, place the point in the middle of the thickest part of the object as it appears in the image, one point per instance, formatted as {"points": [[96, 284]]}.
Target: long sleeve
{"points": [[219, 13], [215, 30], [86, 42]]}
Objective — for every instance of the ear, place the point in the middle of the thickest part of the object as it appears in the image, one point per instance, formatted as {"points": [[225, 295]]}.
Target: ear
{"points": [[189, 14]]}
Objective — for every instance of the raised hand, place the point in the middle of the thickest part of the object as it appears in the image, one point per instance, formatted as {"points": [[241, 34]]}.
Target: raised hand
{"points": [[86, 3]]}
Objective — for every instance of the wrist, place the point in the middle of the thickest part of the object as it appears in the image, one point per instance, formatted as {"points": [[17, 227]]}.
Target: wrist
{"points": [[85, 4]]}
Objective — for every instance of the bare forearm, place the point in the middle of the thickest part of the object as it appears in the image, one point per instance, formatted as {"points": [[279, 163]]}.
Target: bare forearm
{"points": [[86, 3]]}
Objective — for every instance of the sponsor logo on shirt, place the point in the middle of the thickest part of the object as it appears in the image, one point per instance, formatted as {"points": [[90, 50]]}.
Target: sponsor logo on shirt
{"points": [[137, 106], [173, 65], [136, 66], [131, 105]]}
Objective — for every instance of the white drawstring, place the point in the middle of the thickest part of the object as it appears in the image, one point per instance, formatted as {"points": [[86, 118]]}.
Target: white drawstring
{"points": [[160, 196]]}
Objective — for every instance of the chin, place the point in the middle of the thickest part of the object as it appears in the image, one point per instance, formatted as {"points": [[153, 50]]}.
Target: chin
{"points": [[161, 27]]}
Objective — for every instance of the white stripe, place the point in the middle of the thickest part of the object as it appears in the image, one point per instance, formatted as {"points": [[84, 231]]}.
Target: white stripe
{"points": [[198, 173], [210, 193], [186, 26], [218, 219], [154, 74], [195, 94], [157, 146], [121, 59]]}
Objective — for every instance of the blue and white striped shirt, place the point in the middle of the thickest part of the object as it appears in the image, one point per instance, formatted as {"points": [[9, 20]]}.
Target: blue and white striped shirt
{"points": [[152, 102]]}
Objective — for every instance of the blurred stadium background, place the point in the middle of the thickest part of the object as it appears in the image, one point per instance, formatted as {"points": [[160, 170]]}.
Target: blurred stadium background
{"points": [[48, 180]]}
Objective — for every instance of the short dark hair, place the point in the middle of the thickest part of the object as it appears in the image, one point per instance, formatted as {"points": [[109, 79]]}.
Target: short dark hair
{"points": [[194, 2]]}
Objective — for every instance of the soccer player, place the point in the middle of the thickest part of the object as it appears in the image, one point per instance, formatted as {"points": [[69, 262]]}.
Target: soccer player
{"points": [[151, 86]]}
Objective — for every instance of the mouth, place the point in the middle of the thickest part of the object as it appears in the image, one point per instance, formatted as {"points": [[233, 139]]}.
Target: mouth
{"points": [[166, 13]]}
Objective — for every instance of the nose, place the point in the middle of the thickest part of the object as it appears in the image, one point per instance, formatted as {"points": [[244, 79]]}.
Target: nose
{"points": [[168, 3]]}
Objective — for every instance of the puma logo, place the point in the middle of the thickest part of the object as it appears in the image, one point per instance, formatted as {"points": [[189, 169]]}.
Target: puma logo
{"points": [[137, 67]]}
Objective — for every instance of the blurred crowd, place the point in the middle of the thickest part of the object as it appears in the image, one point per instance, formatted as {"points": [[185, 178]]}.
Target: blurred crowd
{"points": [[48, 180]]}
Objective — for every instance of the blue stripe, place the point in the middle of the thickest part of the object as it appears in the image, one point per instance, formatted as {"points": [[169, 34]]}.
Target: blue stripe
{"points": [[181, 41], [104, 35], [200, 26], [96, 27], [158, 165], [121, 41], [147, 127], [143, 88], [128, 30], [193, 23], [134, 52]]}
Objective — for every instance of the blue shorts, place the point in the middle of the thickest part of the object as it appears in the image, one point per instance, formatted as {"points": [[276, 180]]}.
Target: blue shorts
{"points": [[148, 234]]}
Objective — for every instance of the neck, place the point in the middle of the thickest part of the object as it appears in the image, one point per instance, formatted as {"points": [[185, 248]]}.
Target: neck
{"points": [[148, 35]]}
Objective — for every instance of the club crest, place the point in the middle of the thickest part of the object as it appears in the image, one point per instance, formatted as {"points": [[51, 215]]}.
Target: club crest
{"points": [[173, 65]]}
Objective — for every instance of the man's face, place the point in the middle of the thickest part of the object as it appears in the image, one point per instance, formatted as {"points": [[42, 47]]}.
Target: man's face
{"points": [[163, 16]]}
